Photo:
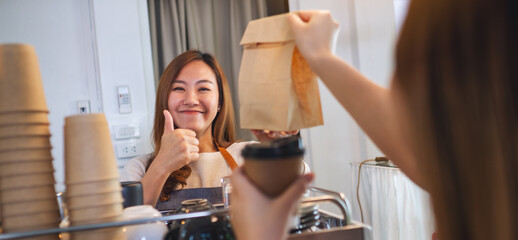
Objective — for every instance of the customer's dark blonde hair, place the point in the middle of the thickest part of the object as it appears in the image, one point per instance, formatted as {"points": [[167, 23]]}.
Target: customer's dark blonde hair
{"points": [[457, 67], [223, 128]]}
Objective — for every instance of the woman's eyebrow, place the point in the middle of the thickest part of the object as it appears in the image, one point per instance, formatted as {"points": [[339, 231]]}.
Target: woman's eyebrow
{"points": [[179, 81], [204, 81], [198, 82]]}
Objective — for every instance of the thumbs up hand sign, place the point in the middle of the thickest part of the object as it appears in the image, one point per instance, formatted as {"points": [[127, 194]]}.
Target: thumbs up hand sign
{"points": [[178, 147]]}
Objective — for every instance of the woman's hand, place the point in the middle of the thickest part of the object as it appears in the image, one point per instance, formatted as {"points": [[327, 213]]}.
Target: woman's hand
{"points": [[256, 216], [178, 147], [267, 135], [315, 31]]}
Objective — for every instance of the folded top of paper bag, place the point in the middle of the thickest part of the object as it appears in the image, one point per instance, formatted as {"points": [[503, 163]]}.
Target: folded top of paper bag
{"points": [[268, 30]]}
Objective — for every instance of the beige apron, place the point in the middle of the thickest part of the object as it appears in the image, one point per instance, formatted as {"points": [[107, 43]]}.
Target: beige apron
{"points": [[213, 195]]}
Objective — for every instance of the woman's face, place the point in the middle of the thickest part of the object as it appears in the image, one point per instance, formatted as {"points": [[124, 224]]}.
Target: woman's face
{"points": [[194, 97]]}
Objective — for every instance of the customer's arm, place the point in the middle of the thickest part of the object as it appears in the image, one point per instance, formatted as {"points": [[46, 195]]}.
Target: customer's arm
{"points": [[371, 105]]}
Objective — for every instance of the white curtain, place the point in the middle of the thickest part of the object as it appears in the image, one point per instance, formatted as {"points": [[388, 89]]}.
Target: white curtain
{"points": [[394, 206], [213, 26]]}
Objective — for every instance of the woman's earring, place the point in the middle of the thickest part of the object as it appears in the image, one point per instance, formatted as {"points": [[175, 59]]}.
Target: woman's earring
{"points": [[219, 108]]}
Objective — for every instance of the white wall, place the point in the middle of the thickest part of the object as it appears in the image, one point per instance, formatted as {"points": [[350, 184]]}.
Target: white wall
{"points": [[55, 28], [85, 49], [124, 54]]}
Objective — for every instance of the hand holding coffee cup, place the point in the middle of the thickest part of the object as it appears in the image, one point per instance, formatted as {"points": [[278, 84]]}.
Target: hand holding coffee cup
{"points": [[252, 211], [179, 146], [273, 166]]}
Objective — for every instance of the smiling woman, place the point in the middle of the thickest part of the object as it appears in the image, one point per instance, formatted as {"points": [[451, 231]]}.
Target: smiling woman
{"points": [[193, 115], [194, 135]]}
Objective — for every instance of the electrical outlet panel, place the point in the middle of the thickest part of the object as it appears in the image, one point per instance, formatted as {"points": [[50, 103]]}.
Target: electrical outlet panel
{"points": [[128, 150]]}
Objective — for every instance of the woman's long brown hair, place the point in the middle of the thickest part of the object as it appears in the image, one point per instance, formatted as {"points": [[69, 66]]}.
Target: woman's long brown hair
{"points": [[223, 128], [457, 67]]}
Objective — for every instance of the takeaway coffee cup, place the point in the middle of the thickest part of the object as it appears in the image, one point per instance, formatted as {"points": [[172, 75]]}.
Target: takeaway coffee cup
{"points": [[273, 166], [89, 155]]}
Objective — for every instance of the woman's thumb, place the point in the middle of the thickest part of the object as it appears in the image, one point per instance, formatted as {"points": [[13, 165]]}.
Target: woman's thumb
{"points": [[169, 123]]}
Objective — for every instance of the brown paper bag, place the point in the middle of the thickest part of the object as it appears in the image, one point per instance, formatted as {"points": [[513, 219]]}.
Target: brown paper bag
{"points": [[277, 89]]}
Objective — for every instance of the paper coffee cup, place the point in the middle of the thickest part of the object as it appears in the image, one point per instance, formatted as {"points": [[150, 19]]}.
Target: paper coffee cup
{"points": [[21, 87], [28, 221], [89, 201], [96, 212], [273, 166], [93, 188], [35, 228], [18, 130], [24, 168], [109, 233], [32, 194], [25, 208], [17, 143], [24, 117], [96, 221], [89, 154], [26, 154], [27, 181]]}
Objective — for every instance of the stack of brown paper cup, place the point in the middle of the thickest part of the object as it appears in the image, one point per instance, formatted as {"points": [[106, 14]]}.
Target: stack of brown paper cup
{"points": [[27, 194], [91, 175]]}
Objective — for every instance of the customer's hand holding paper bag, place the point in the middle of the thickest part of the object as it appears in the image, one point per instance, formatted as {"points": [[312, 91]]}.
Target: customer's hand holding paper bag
{"points": [[277, 89]]}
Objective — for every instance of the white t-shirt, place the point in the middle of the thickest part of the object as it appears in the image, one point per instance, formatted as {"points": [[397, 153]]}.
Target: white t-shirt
{"points": [[207, 171]]}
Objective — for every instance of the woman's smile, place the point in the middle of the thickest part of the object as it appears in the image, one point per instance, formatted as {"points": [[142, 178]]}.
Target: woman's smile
{"points": [[191, 112]]}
